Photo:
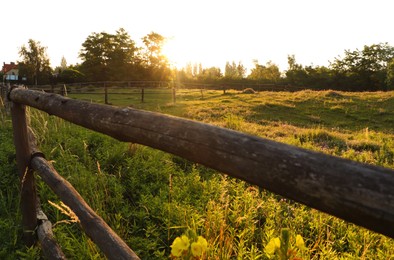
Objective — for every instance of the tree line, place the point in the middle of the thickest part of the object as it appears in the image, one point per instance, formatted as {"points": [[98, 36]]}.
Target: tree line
{"points": [[116, 57]]}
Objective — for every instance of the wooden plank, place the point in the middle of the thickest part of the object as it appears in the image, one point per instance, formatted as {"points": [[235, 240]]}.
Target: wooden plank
{"points": [[94, 226], [359, 193], [26, 176]]}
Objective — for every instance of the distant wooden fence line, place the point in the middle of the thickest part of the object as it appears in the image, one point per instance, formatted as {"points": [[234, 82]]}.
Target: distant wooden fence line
{"points": [[179, 85], [356, 192], [172, 86]]}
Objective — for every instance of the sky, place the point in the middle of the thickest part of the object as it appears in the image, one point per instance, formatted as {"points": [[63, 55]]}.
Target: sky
{"points": [[209, 32]]}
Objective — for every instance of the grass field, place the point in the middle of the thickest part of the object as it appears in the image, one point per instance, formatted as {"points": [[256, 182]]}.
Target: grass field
{"points": [[149, 197]]}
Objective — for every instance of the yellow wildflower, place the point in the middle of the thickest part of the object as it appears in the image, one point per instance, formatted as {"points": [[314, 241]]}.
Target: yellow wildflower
{"points": [[272, 246], [180, 245], [300, 242], [199, 247]]}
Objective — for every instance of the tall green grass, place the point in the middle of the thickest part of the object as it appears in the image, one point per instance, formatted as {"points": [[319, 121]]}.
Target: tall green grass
{"points": [[150, 197]]}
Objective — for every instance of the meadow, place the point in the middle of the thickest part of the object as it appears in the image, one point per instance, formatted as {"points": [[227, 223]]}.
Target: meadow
{"points": [[150, 197]]}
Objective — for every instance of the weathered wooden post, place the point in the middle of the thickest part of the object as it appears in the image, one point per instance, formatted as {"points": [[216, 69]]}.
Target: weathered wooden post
{"points": [[28, 189], [202, 94], [173, 95], [64, 92], [105, 94], [142, 95]]}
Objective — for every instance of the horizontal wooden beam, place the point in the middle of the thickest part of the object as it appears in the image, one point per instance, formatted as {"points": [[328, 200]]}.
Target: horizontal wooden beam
{"points": [[94, 226], [359, 193]]}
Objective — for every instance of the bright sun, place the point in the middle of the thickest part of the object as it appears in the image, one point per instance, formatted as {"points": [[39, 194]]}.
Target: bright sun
{"points": [[181, 51], [178, 54]]}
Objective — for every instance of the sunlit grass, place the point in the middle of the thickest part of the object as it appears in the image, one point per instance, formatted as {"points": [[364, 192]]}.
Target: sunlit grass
{"points": [[150, 197]]}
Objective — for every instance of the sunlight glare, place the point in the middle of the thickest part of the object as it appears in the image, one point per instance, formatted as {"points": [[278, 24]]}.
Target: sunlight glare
{"points": [[182, 51], [177, 53]]}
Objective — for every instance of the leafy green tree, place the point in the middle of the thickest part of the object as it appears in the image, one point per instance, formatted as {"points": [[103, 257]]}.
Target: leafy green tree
{"points": [[35, 63], [191, 71], [365, 69], [266, 73], [234, 71], [188, 71], [63, 63], [59, 69], [70, 75], [210, 74], [316, 77], [153, 60], [108, 56], [296, 74], [390, 75]]}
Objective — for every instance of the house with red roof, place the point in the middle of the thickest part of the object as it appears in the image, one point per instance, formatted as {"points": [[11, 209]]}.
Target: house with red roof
{"points": [[10, 72]]}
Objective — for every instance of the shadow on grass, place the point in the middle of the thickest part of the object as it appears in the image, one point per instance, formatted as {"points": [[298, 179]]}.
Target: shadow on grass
{"points": [[354, 116]]}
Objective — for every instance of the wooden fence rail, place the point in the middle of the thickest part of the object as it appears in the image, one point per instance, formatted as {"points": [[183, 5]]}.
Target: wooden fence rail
{"points": [[29, 158], [94, 226], [356, 192]]}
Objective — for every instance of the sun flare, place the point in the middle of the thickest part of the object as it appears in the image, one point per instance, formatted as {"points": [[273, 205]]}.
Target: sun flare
{"points": [[180, 52], [177, 53]]}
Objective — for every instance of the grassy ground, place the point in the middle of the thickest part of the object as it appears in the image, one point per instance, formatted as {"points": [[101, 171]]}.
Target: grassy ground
{"points": [[150, 197]]}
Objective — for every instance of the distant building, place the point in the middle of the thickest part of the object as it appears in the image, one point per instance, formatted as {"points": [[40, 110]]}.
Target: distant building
{"points": [[10, 72]]}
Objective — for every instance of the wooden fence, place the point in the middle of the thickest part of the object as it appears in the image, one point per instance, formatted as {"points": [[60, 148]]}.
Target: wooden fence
{"points": [[358, 193], [140, 87]]}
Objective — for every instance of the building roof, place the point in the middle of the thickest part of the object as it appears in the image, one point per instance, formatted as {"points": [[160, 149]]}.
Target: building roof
{"points": [[8, 67]]}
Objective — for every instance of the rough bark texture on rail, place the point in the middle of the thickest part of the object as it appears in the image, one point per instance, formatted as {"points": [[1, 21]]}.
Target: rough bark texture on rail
{"points": [[356, 192], [95, 227]]}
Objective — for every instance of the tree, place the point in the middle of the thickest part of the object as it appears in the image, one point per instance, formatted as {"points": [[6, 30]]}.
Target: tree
{"points": [[296, 74], [191, 71], [365, 69], [153, 59], [70, 75], [234, 71], [390, 75], [63, 63], [35, 62], [108, 56], [268, 73], [210, 74]]}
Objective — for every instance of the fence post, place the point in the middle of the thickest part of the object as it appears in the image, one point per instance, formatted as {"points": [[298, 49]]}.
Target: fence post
{"points": [[142, 95], [64, 90], [174, 95], [105, 94], [28, 191], [202, 94]]}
